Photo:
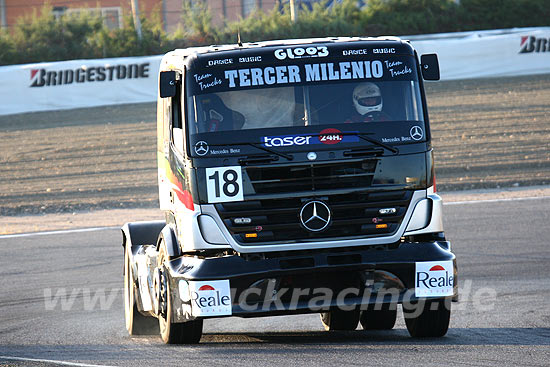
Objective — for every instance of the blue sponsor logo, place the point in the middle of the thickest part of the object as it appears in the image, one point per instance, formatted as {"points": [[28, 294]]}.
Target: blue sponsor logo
{"points": [[327, 136]]}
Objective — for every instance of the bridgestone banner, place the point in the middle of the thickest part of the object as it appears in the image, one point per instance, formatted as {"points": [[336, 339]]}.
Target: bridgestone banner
{"points": [[484, 54], [78, 83], [88, 83]]}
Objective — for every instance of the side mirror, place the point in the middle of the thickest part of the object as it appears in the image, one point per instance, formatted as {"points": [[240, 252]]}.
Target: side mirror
{"points": [[167, 84], [430, 67]]}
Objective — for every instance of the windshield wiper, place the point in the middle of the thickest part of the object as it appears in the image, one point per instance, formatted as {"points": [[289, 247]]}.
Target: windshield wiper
{"points": [[257, 146], [284, 155], [365, 137]]}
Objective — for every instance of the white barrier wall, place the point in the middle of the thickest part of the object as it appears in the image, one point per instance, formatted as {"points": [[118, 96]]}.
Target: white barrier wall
{"points": [[88, 83], [78, 83], [485, 54]]}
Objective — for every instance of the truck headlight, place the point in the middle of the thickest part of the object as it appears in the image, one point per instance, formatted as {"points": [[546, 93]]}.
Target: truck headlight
{"points": [[421, 215], [210, 230], [427, 216]]}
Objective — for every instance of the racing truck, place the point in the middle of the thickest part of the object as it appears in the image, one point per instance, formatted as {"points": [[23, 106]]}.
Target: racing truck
{"points": [[296, 177]]}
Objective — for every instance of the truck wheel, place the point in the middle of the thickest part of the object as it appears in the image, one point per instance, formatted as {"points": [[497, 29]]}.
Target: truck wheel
{"points": [[383, 319], [189, 332], [431, 321], [337, 319], [136, 323]]}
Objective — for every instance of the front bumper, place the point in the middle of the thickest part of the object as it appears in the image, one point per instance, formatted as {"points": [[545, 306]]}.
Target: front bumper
{"points": [[309, 281]]}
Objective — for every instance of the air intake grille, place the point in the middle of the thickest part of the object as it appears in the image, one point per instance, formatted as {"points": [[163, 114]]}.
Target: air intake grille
{"points": [[306, 178]]}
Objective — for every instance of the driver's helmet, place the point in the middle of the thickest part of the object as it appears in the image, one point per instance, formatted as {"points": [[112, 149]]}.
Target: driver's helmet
{"points": [[367, 98]]}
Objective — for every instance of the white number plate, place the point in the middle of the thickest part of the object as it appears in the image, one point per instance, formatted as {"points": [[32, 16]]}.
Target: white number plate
{"points": [[224, 184]]}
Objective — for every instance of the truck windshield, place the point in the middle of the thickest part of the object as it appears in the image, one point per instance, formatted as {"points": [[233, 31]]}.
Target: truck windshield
{"points": [[374, 96]]}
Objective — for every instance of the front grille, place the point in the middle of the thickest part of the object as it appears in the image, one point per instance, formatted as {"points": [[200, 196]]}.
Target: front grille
{"points": [[355, 214], [351, 174]]}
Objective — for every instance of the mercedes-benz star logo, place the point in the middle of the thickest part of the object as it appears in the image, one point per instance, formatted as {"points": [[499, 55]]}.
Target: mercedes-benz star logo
{"points": [[416, 132], [201, 148], [315, 216]]}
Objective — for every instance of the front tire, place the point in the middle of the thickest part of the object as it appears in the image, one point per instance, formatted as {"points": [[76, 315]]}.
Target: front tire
{"points": [[136, 323], [431, 321], [337, 319], [189, 332], [383, 319]]}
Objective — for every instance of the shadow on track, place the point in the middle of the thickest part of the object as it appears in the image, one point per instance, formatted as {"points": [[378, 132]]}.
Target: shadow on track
{"points": [[455, 336]]}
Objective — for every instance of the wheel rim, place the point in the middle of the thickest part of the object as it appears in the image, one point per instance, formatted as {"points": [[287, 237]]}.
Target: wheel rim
{"points": [[163, 294]]}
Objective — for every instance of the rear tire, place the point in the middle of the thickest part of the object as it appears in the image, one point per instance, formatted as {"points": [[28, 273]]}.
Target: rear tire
{"points": [[136, 323], [383, 319], [189, 332], [337, 319], [432, 321]]}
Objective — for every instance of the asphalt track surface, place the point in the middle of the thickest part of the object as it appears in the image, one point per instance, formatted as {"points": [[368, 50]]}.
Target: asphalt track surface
{"points": [[503, 318]]}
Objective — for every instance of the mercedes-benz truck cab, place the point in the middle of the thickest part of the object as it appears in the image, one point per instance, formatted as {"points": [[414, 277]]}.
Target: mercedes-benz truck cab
{"points": [[296, 177]]}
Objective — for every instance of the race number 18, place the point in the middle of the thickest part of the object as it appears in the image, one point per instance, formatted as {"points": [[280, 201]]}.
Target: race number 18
{"points": [[224, 184]]}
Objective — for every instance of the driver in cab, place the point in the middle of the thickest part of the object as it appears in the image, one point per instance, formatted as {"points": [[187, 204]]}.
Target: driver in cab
{"points": [[367, 101]]}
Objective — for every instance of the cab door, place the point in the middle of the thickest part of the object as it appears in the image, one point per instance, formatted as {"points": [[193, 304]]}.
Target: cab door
{"points": [[171, 143]]}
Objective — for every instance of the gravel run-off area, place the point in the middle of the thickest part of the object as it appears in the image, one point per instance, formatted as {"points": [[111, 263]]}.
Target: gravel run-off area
{"points": [[487, 133]]}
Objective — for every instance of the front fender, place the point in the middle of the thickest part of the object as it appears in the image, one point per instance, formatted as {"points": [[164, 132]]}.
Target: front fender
{"points": [[137, 234], [168, 239]]}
